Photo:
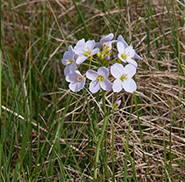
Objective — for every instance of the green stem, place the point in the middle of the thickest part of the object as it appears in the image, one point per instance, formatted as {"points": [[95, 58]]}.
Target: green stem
{"points": [[112, 149], [112, 140], [99, 144], [103, 101]]}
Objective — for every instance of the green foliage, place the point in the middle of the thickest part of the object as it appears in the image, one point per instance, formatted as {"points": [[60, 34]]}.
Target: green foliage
{"points": [[50, 134]]}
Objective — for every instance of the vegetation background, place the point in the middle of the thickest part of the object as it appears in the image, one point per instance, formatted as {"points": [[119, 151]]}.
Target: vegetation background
{"points": [[48, 133]]}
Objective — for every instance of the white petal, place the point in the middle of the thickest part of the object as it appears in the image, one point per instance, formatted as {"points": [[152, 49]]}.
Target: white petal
{"points": [[80, 59], [130, 70], [78, 49], [106, 85], [129, 85], [94, 51], [70, 48], [133, 62], [121, 39], [72, 86], [71, 77], [75, 87], [78, 72], [98, 44], [120, 47], [66, 56], [90, 44], [80, 43], [117, 70], [107, 38], [94, 86], [103, 71], [117, 85], [66, 70], [129, 50], [70, 68], [91, 74], [114, 41], [80, 85], [136, 56]]}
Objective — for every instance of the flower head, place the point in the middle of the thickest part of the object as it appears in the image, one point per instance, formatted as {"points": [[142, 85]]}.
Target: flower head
{"points": [[69, 56], [99, 79], [121, 39], [126, 54], [77, 81], [69, 61], [84, 50], [123, 77]]}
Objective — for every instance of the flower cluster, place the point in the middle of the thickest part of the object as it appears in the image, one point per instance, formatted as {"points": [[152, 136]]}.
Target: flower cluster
{"points": [[91, 56]]}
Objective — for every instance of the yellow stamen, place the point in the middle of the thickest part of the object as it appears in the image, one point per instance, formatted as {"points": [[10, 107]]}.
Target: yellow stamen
{"points": [[87, 53], [104, 45], [90, 58], [100, 78], [68, 61], [125, 55], [123, 77], [79, 79], [98, 54]]}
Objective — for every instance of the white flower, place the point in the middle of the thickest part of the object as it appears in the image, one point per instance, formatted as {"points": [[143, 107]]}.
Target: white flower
{"points": [[126, 54], [70, 68], [121, 39], [68, 57], [123, 77], [99, 79], [69, 61], [85, 50], [106, 41], [77, 81]]}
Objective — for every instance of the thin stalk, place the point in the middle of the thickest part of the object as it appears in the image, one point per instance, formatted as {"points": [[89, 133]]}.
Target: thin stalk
{"points": [[98, 146], [103, 101], [112, 148], [0, 90], [82, 18], [112, 140], [1, 146]]}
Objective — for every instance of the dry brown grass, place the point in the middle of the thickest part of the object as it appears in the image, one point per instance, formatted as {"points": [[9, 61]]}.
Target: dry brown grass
{"points": [[160, 107]]}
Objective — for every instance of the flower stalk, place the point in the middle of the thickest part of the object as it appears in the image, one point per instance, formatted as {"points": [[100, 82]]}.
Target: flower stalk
{"points": [[99, 144]]}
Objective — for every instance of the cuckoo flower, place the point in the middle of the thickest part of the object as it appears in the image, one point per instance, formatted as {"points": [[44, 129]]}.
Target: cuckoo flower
{"points": [[99, 79], [77, 81], [126, 54], [85, 50], [123, 77], [106, 41], [69, 56], [69, 61], [121, 39]]}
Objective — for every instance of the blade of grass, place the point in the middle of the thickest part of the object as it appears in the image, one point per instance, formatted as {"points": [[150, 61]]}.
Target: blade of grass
{"points": [[82, 18]]}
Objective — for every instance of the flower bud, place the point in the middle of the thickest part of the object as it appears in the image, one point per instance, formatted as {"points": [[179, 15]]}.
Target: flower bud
{"points": [[107, 58], [117, 104]]}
